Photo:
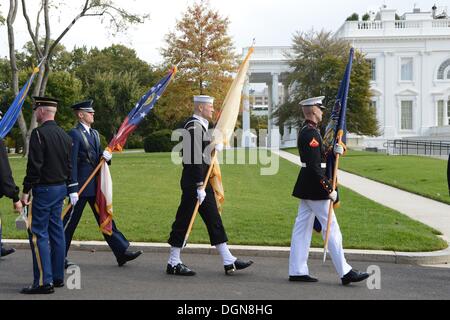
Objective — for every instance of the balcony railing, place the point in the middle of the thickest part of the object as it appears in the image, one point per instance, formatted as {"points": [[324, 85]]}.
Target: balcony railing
{"points": [[351, 29]]}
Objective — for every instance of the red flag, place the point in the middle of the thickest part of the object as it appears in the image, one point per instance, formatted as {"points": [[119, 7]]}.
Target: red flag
{"points": [[103, 201]]}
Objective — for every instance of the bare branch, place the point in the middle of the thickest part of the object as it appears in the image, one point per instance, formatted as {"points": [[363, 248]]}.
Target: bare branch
{"points": [[11, 41], [36, 34], [30, 30], [47, 28]]}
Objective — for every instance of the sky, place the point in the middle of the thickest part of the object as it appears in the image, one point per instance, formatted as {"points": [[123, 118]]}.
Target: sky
{"points": [[270, 22]]}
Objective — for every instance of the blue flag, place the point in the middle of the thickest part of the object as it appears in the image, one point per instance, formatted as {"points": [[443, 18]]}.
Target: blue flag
{"points": [[337, 128], [140, 111], [10, 118]]}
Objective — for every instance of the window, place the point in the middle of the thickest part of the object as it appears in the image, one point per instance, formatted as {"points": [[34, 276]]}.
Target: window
{"points": [[406, 69], [444, 70], [406, 115], [448, 112], [373, 69], [440, 113]]}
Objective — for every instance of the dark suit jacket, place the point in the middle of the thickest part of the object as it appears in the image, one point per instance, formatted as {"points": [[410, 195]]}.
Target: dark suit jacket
{"points": [[196, 154], [312, 183], [7, 186], [84, 159]]}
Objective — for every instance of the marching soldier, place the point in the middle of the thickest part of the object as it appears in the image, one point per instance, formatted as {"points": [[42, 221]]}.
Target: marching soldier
{"points": [[86, 155], [315, 192], [196, 159], [7, 188], [47, 177]]}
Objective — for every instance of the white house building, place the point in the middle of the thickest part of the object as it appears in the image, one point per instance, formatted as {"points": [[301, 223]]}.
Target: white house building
{"points": [[410, 60], [410, 85]]}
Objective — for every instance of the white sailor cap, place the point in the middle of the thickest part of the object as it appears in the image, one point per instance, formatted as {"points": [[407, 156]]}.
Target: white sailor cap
{"points": [[203, 99], [316, 101]]}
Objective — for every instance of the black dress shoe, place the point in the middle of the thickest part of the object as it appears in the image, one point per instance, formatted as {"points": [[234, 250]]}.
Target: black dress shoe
{"points": [[304, 278], [45, 289], [237, 265], [58, 283], [6, 252], [128, 256], [354, 276], [68, 263], [179, 270]]}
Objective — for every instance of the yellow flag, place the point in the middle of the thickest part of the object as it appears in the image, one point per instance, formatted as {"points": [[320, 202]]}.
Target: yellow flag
{"points": [[226, 123]]}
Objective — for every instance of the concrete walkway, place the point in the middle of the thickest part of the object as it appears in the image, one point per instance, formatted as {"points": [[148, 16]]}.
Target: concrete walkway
{"points": [[432, 213]]}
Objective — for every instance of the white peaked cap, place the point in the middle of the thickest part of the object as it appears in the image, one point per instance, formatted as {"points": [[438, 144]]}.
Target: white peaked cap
{"points": [[316, 101]]}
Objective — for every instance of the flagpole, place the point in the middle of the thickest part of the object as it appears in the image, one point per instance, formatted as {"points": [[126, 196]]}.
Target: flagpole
{"points": [[110, 149], [84, 186], [330, 208], [197, 205]]}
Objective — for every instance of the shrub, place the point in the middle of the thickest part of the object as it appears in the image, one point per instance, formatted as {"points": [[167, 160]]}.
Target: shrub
{"points": [[159, 141], [135, 142]]}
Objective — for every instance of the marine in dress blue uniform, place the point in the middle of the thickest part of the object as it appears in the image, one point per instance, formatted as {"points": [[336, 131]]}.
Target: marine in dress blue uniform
{"points": [[86, 154], [315, 192], [47, 177]]}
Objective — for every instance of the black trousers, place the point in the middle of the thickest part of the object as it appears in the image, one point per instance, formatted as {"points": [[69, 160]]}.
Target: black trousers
{"points": [[117, 241], [209, 213]]}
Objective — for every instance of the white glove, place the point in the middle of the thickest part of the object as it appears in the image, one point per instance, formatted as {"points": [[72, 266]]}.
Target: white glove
{"points": [[218, 147], [333, 196], [338, 149], [107, 155], [73, 198], [201, 194]]}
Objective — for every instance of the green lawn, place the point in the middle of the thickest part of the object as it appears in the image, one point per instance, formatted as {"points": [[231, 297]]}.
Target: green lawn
{"points": [[258, 209], [421, 175]]}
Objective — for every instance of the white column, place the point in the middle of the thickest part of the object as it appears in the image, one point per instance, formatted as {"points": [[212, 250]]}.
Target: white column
{"points": [[391, 110], [246, 142], [273, 129]]}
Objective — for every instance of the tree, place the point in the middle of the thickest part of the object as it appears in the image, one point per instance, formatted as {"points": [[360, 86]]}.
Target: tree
{"points": [[318, 62], [118, 19], [201, 45], [353, 17], [115, 78], [366, 17], [2, 19]]}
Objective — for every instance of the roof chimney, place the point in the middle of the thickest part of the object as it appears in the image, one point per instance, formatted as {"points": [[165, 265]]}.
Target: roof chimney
{"points": [[433, 10]]}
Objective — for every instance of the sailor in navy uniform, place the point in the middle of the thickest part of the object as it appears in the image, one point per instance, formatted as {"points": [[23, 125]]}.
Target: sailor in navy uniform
{"points": [[196, 159], [47, 177], [8, 188], [86, 154], [315, 192]]}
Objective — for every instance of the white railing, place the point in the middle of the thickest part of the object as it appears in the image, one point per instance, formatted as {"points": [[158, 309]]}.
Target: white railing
{"points": [[370, 25], [407, 24], [394, 27], [441, 24], [268, 53]]}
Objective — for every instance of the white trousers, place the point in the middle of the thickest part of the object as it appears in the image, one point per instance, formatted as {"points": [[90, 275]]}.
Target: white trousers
{"points": [[302, 233]]}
